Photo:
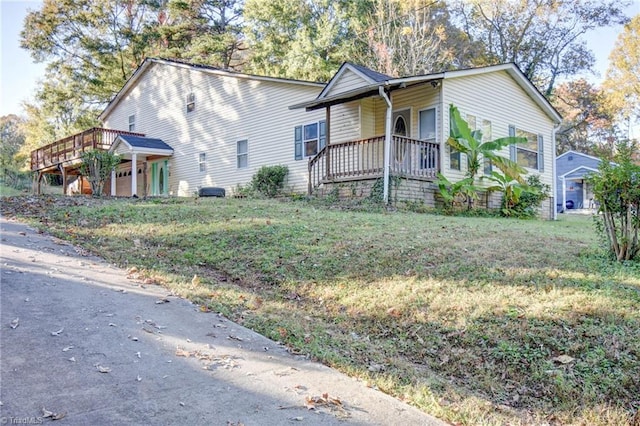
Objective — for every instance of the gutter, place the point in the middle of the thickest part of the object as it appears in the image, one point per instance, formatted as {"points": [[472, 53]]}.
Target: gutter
{"points": [[553, 173], [387, 145]]}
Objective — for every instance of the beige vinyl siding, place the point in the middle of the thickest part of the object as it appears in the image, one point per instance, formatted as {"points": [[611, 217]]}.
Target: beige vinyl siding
{"points": [[345, 122], [349, 80], [498, 98], [228, 109], [368, 117], [417, 98]]}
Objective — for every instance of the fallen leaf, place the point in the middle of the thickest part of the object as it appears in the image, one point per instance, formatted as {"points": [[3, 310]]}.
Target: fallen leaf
{"points": [[564, 359], [182, 352], [46, 413], [15, 323], [240, 339], [67, 348], [112, 325], [103, 369], [58, 416], [57, 333], [72, 359], [148, 281], [296, 419], [161, 301], [138, 355], [138, 379], [132, 270], [195, 281]]}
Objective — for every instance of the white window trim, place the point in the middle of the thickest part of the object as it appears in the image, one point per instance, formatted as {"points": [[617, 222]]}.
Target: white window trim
{"points": [[536, 151], [317, 139], [202, 162], [246, 154], [132, 123], [190, 100], [435, 139]]}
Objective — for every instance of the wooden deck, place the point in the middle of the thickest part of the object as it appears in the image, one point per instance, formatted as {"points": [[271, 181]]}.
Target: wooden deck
{"points": [[364, 159], [66, 152]]}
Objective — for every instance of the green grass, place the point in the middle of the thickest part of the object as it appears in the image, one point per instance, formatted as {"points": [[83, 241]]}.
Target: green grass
{"points": [[462, 317]]}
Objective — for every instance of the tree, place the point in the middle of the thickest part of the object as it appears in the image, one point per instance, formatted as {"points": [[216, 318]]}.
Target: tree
{"points": [[623, 76], [617, 189], [96, 166], [11, 141], [543, 37], [300, 39], [588, 123], [411, 37]]}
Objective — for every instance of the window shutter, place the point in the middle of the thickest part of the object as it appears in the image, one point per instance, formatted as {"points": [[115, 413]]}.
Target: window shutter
{"points": [[298, 143], [322, 134], [513, 153], [540, 153]]}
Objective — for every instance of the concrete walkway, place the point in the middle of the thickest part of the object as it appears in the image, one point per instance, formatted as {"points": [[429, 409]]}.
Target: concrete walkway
{"points": [[83, 344]]}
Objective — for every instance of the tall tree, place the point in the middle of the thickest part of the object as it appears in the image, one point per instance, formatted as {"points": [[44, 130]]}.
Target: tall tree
{"points": [[303, 39], [411, 37], [623, 76], [543, 37], [11, 141], [588, 122]]}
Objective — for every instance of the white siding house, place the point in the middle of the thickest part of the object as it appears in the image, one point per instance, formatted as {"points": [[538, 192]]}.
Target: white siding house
{"points": [[222, 126]]}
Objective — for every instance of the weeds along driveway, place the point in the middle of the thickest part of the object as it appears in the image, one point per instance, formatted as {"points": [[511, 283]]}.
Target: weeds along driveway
{"points": [[82, 343]]}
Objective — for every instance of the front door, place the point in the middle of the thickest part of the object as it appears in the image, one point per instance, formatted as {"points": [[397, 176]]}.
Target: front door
{"points": [[159, 178]]}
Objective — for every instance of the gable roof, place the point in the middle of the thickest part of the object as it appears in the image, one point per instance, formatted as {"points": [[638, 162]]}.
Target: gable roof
{"points": [[141, 144], [579, 172], [368, 75], [391, 84], [148, 62], [580, 154]]}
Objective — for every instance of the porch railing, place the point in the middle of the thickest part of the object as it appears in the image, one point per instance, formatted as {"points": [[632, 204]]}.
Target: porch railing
{"points": [[364, 158], [72, 147]]}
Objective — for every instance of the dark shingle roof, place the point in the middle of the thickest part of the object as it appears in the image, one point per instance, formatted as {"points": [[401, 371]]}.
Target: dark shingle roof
{"points": [[374, 75], [142, 142]]}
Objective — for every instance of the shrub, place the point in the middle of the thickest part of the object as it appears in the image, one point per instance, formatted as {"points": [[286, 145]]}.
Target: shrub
{"points": [[617, 189], [532, 195], [269, 180]]}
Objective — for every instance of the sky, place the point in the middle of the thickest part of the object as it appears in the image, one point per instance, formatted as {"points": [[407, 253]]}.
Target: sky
{"points": [[19, 74]]}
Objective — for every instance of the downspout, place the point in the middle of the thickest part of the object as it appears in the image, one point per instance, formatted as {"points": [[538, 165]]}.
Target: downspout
{"points": [[553, 173], [387, 146]]}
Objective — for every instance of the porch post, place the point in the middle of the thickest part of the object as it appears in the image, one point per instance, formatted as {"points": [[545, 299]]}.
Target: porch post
{"points": [[327, 131], [564, 194], [113, 182], [387, 146], [134, 174]]}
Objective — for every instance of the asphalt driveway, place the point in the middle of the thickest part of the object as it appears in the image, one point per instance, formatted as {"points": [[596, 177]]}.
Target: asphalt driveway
{"points": [[80, 343]]}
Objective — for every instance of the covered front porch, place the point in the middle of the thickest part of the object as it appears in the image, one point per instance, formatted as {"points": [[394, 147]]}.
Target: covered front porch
{"points": [[365, 158]]}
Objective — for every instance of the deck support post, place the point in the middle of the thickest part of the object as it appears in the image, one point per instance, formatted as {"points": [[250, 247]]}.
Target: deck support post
{"points": [[134, 174], [65, 182], [387, 145], [113, 182]]}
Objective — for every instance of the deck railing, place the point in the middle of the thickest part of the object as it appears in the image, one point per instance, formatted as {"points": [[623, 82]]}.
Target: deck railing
{"points": [[364, 158], [72, 147]]}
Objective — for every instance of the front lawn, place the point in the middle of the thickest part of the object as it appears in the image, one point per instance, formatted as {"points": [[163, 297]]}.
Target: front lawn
{"points": [[474, 320]]}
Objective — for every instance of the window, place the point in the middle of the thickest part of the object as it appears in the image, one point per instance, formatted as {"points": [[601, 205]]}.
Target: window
{"points": [[428, 154], [132, 123], [191, 102], [242, 153], [202, 161], [529, 153], [309, 139]]}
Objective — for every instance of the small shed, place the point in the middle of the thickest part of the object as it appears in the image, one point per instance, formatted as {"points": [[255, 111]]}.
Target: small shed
{"points": [[572, 189]]}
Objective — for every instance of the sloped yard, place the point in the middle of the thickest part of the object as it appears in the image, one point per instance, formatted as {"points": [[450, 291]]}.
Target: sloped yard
{"points": [[474, 320]]}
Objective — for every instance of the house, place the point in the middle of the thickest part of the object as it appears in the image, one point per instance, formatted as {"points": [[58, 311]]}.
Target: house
{"points": [[573, 191], [181, 127], [364, 109]]}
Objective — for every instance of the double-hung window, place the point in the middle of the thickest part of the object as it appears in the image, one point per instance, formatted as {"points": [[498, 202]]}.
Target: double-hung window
{"points": [[530, 153], [202, 162], [191, 102], [309, 139], [242, 153], [428, 153], [132, 123]]}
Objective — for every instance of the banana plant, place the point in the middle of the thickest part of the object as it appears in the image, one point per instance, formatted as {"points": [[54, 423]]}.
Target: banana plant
{"points": [[463, 191], [469, 142], [511, 190]]}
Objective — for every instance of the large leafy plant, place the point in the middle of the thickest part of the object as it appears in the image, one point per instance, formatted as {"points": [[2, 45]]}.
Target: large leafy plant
{"points": [[469, 142]]}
